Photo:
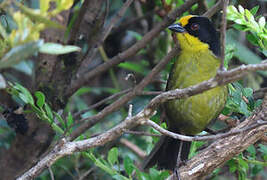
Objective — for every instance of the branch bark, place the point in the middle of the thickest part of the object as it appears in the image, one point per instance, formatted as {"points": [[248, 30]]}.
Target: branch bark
{"points": [[224, 149]]}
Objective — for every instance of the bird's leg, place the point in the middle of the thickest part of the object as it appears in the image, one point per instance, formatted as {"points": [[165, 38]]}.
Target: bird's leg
{"points": [[178, 162]]}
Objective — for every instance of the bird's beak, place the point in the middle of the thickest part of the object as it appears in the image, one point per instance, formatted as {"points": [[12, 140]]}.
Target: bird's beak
{"points": [[176, 28]]}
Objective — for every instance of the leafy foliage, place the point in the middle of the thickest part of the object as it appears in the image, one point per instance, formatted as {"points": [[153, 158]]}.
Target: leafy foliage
{"points": [[245, 21], [24, 40]]}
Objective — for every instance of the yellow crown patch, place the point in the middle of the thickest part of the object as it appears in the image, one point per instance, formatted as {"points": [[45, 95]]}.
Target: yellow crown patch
{"points": [[184, 20]]}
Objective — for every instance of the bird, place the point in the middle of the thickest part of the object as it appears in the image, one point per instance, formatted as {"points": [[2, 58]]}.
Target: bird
{"points": [[197, 61]]}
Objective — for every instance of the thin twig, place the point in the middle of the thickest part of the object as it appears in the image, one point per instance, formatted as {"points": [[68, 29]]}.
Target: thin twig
{"points": [[91, 121], [141, 133], [115, 19], [77, 23], [139, 152], [103, 101], [205, 137], [213, 10], [84, 175], [223, 33], [107, 30], [51, 173], [170, 18]]}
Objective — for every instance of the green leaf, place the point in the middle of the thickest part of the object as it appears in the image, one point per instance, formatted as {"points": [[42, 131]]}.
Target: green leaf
{"points": [[69, 119], [252, 39], [128, 165], [57, 49], [243, 163], [247, 92], [36, 16], [135, 67], [258, 103], [251, 149], [254, 10], [241, 9], [49, 112], [24, 94], [244, 108], [3, 32], [40, 98], [44, 5], [113, 155], [60, 119], [57, 128], [141, 175], [164, 175], [262, 22], [168, 2], [243, 53], [153, 173], [19, 53], [194, 146], [232, 165]]}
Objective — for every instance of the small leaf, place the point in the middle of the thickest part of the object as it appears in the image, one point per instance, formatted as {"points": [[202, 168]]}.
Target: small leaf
{"points": [[40, 98], [154, 174], [128, 165], [251, 149], [231, 10], [36, 16], [262, 22], [113, 156], [249, 16], [252, 39], [164, 175], [19, 53], [49, 112], [57, 49], [141, 175], [243, 163], [232, 165], [65, 4], [254, 10], [60, 119], [44, 5], [57, 128], [247, 92], [69, 119], [24, 94], [241, 9]]}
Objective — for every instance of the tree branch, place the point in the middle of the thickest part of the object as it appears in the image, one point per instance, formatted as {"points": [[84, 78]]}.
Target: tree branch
{"points": [[117, 104], [224, 149], [213, 10], [170, 18], [65, 147]]}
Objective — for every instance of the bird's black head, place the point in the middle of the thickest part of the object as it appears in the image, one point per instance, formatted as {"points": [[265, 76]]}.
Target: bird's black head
{"points": [[201, 28]]}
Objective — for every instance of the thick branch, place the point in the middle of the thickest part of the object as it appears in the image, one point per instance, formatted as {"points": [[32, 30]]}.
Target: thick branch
{"points": [[224, 149]]}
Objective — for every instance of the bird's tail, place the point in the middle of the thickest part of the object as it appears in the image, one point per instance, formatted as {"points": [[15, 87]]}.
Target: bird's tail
{"points": [[165, 153]]}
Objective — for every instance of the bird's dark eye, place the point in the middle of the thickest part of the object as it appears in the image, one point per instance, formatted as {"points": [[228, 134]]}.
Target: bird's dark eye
{"points": [[194, 27]]}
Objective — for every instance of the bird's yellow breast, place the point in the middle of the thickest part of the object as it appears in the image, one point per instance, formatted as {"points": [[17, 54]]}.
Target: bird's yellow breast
{"points": [[191, 115]]}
